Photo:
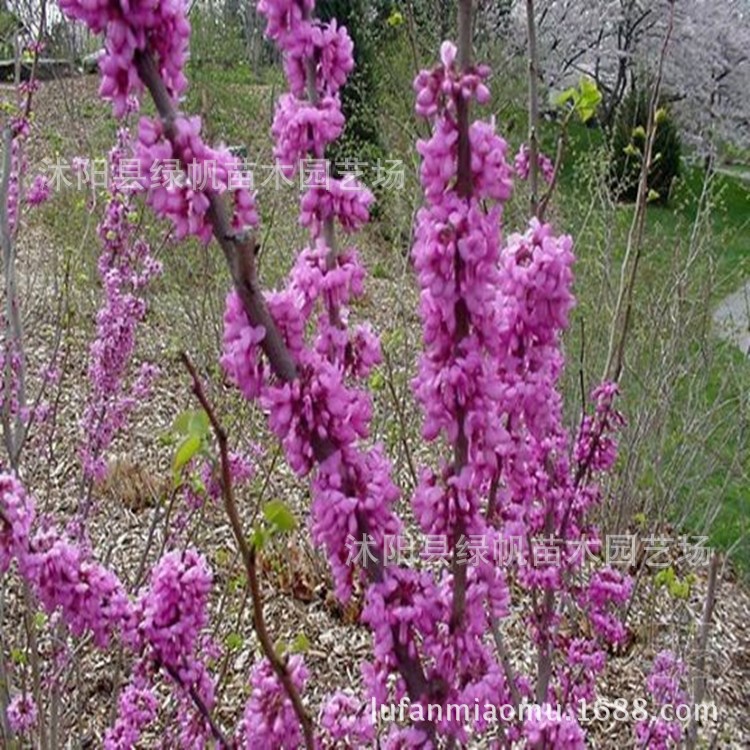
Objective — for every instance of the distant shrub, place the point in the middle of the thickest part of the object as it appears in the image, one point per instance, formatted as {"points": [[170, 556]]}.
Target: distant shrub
{"points": [[360, 144], [629, 145]]}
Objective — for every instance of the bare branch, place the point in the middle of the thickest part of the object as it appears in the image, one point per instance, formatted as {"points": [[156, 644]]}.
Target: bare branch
{"points": [[249, 559]]}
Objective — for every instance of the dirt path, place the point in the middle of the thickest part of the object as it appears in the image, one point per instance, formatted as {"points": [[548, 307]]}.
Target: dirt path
{"points": [[732, 318]]}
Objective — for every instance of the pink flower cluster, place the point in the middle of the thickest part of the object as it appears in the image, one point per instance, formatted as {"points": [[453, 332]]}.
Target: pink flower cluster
{"points": [[521, 165], [269, 719], [181, 197], [39, 192], [16, 518], [136, 708], [164, 624], [596, 446], [491, 175], [308, 43], [328, 46], [665, 689], [22, 714], [132, 28], [345, 722], [61, 573], [343, 200], [301, 128], [547, 730], [126, 268], [90, 597], [172, 612], [438, 89], [17, 168]]}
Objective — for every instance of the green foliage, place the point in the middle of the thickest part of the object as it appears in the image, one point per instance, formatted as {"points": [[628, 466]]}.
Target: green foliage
{"points": [[582, 100], [216, 39], [277, 519], [678, 588], [192, 429], [278, 515], [360, 143], [629, 146]]}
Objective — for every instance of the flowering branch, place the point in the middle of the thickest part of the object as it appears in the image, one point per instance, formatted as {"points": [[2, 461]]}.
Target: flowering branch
{"points": [[239, 253], [238, 248], [464, 189], [200, 704]]}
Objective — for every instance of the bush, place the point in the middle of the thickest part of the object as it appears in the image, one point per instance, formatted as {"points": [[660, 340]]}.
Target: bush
{"points": [[629, 144], [360, 142]]}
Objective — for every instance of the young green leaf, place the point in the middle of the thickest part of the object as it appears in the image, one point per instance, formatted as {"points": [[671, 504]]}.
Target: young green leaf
{"points": [[588, 100], [300, 644], [258, 538], [185, 451], [234, 642], [569, 95], [395, 20], [279, 516]]}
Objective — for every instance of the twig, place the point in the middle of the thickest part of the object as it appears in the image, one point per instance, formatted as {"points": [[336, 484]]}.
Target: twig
{"points": [[248, 557], [623, 306], [399, 407], [699, 681], [533, 108], [216, 731], [502, 652]]}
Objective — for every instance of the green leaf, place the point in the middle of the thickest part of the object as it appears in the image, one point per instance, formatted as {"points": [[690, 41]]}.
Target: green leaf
{"points": [[40, 620], [653, 196], [639, 132], [258, 538], [185, 451], [222, 557], [679, 589], [589, 89], [181, 423], [377, 381], [631, 150], [192, 423], [279, 516], [199, 423], [569, 95], [660, 116], [234, 642], [395, 20], [18, 656], [300, 644], [588, 100], [665, 577]]}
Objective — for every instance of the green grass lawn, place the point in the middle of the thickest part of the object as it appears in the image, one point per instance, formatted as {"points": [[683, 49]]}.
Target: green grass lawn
{"points": [[722, 266]]}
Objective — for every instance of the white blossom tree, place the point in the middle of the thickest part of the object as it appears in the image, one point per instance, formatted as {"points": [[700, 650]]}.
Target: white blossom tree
{"points": [[707, 67]]}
